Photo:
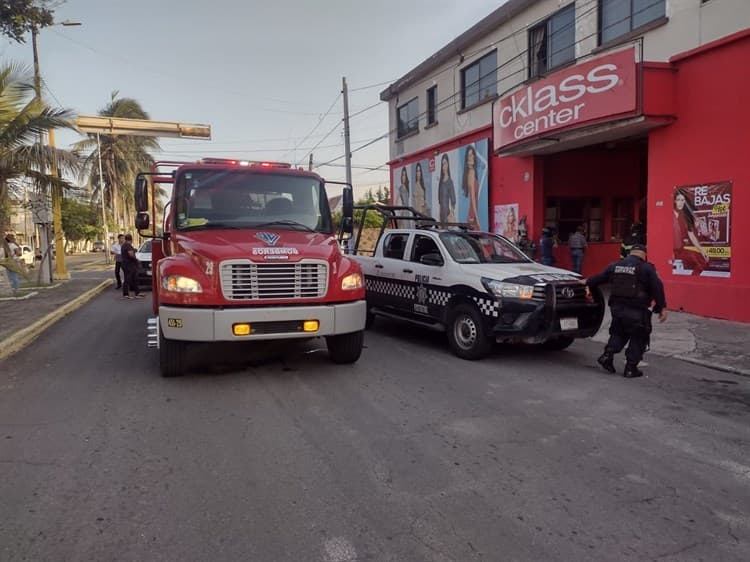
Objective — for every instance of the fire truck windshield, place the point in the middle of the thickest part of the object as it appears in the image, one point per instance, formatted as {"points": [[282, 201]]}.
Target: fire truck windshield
{"points": [[248, 199]]}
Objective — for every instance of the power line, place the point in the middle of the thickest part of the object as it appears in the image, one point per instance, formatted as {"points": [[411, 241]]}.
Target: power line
{"points": [[446, 102], [319, 122], [371, 86]]}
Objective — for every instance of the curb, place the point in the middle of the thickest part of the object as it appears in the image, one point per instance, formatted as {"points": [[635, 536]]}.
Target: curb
{"points": [[712, 365], [24, 337]]}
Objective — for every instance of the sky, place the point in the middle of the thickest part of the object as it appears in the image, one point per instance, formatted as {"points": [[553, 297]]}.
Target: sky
{"points": [[266, 76]]}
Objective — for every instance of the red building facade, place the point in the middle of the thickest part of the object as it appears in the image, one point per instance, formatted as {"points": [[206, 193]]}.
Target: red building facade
{"points": [[615, 140]]}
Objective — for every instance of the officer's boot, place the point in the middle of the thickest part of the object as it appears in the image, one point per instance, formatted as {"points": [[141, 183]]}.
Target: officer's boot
{"points": [[631, 371], [606, 360]]}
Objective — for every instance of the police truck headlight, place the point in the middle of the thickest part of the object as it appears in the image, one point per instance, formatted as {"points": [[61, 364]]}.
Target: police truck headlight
{"points": [[180, 284], [352, 282], [508, 290]]}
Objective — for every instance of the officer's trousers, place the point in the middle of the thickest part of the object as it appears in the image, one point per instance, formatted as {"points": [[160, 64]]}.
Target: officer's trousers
{"points": [[631, 325]]}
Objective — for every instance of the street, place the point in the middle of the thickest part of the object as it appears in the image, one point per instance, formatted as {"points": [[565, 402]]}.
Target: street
{"points": [[271, 453]]}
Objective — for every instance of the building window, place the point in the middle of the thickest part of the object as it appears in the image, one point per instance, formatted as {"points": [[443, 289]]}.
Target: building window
{"points": [[566, 213], [618, 17], [408, 117], [479, 80], [622, 217], [552, 42], [432, 105]]}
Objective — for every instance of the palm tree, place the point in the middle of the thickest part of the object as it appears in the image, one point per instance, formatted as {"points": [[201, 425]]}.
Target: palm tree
{"points": [[23, 118], [123, 156]]}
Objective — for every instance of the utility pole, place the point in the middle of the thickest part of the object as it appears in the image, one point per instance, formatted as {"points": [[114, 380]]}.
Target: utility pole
{"points": [[309, 164], [45, 269], [347, 148]]}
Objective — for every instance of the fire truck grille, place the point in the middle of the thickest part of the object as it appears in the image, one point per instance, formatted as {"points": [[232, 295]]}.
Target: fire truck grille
{"points": [[245, 280]]}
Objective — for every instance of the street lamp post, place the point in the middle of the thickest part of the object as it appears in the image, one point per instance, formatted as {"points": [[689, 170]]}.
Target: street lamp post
{"points": [[60, 269]]}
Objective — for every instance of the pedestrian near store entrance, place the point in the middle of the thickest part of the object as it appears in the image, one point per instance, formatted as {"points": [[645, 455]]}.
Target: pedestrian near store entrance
{"points": [[116, 251], [577, 244], [547, 244], [635, 286], [130, 269]]}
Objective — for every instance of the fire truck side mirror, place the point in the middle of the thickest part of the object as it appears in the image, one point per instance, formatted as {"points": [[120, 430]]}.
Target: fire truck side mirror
{"points": [[142, 221], [141, 194]]}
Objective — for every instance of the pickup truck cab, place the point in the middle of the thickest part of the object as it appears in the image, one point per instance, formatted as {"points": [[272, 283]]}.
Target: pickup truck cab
{"points": [[477, 286]]}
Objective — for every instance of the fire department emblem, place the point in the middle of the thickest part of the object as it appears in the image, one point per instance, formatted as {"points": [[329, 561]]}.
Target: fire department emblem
{"points": [[268, 237]]}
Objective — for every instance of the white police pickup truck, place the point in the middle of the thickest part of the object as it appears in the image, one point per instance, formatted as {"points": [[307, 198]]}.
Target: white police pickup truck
{"points": [[477, 286]]}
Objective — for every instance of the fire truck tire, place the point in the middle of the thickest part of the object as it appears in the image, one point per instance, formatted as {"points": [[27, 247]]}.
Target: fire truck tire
{"points": [[345, 348], [171, 357], [558, 343], [466, 333]]}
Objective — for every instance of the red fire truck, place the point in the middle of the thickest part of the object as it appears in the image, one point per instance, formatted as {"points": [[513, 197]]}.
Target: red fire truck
{"points": [[247, 252]]}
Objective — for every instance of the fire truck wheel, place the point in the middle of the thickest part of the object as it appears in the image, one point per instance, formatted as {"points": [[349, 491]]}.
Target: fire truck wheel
{"points": [[466, 334], [171, 357], [345, 348], [559, 343]]}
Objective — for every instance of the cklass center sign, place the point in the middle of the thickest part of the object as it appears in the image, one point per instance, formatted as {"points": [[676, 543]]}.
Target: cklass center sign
{"points": [[590, 91]]}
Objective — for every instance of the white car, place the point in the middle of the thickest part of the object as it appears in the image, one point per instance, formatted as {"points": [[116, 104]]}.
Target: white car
{"points": [[143, 255], [27, 255]]}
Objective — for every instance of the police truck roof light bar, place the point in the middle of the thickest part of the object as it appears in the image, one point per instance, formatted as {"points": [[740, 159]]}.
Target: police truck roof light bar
{"points": [[246, 163]]}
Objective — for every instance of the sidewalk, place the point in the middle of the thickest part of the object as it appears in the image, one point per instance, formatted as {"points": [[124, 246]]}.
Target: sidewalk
{"points": [[24, 316], [718, 344]]}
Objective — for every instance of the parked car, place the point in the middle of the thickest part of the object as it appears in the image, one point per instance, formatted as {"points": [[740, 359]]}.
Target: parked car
{"points": [[98, 247], [27, 255], [143, 255]]}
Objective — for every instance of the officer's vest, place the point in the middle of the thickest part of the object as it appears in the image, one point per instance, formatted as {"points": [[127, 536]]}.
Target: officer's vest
{"points": [[625, 281]]}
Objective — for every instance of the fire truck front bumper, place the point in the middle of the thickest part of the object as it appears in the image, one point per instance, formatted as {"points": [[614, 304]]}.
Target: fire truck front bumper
{"points": [[261, 323]]}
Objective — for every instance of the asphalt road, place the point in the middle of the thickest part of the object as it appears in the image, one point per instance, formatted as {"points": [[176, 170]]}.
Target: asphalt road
{"points": [[274, 454]]}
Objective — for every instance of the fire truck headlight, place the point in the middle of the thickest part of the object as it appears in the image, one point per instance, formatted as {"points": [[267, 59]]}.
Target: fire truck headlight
{"points": [[181, 284], [352, 282]]}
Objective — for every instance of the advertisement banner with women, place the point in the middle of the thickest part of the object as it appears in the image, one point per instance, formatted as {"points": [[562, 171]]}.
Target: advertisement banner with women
{"points": [[460, 185], [452, 186], [701, 227], [506, 221]]}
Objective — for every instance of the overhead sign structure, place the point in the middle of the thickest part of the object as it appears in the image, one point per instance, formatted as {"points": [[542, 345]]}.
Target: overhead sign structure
{"points": [[597, 89], [141, 127]]}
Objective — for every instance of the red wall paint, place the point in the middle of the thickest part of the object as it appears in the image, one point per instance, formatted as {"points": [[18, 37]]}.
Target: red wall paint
{"points": [[707, 143]]}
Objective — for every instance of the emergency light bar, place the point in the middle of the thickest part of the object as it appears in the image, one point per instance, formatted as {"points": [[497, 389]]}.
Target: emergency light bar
{"points": [[248, 163]]}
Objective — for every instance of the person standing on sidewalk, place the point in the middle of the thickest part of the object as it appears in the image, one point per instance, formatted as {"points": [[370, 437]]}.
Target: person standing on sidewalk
{"points": [[130, 269], [116, 251], [635, 285], [577, 244], [9, 258]]}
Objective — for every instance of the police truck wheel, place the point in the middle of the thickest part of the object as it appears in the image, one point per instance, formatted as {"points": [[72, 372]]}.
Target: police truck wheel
{"points": [[559, 343], [466, 333], [171, 356], [345, 348]]}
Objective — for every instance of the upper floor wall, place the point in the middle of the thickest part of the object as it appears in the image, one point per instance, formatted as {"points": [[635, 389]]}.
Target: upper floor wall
{"points": [[451, 93]]}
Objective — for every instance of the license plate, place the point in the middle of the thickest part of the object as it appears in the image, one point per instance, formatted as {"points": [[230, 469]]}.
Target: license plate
{"points": [[568, 324]]}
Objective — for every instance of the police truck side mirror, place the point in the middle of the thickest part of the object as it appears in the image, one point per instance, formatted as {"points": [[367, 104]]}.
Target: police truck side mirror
{"points": [[432, 259], [347, 202], [141, 194]]}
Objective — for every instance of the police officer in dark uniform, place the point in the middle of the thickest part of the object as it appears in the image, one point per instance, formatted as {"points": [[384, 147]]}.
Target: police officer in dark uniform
{"points": [[635, 285]]}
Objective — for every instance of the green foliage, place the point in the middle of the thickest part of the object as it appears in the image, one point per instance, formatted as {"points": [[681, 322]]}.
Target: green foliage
{"points": [[22, 118], [80, 221], [18, 17]]}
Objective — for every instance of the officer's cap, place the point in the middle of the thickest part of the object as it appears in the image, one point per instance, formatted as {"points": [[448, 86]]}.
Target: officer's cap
{"points": [[638, 247]]}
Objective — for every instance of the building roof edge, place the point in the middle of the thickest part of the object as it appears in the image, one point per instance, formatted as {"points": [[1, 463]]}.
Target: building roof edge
{"points": [[484, 27]]}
